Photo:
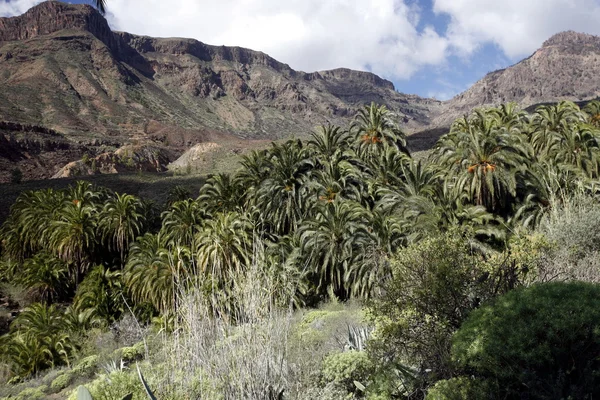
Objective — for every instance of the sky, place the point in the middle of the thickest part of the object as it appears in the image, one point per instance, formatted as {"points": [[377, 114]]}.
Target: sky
{"points": [[433, 48]]}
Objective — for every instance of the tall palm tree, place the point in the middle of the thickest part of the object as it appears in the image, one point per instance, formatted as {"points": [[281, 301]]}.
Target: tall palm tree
{"points": [[281, 197], [73, 235], [374, 127], [149, 273], [27, 229], [86, 194], [255, 168], [578, 145], [482, 159], [39, 339], [592, 109], [181, 223], [100, 295], [120, 222], [224, 248], [333, 241], [45, 277], [549, 122], [329, 143], [221, 193]]}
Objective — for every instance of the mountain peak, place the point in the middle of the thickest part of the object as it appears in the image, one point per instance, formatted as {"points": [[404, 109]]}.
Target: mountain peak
{"points": [[571, 38], [52, 16]]}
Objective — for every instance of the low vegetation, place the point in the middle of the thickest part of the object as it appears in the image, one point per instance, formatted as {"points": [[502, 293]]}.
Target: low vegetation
{"points": [[335, 268]]}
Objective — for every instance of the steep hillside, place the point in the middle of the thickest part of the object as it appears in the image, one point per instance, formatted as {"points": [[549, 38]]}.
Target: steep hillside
{"points": [[64, 70], [566, 67], [62, 67]]}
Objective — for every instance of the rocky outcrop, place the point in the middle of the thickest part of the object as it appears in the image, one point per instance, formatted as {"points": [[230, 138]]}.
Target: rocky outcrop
{"points": [[130, 158], [193, 156], [53, 16]]}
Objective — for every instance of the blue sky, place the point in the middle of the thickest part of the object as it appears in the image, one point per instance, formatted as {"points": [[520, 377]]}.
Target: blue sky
{"points": [[433, 48]]}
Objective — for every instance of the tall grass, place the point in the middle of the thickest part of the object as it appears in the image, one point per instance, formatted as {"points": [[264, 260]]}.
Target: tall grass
{"points": [[573, 228], [233, 344]]}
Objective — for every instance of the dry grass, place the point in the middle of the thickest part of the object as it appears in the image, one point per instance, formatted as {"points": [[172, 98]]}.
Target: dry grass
{"points": [[220, 349]]}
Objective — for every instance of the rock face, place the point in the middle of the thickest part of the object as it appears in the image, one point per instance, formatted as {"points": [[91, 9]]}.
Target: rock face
{"points": [[64, 68], [129, 158], [566, 67]]}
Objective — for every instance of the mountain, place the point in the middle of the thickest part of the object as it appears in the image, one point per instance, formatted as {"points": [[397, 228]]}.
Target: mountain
{"points": [[71, 89], [566, 67], [62, 68]]}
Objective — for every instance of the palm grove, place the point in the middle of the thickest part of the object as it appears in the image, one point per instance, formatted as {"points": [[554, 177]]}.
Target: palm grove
{"points": [[346, 214]]}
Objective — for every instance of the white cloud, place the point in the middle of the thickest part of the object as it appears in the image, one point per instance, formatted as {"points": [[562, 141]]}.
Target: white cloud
{"points": [[16, 7], [518, 27], [307, 34]]}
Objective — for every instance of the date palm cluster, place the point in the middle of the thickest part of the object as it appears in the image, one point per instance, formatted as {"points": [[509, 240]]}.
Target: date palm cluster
{"points": [[320, 216]]}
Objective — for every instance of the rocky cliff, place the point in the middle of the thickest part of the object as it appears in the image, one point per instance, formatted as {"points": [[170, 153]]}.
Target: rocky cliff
{"points": [[64, 68], [566, 67]]}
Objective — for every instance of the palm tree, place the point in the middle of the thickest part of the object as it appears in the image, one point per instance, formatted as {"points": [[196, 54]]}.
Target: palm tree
{"points": [[39, 339], [121, 221], [329, 143], [385, 170], [282, 196], [286, 269], [255, 168], [73, 235], [149, 273], [178, 193], [86, 194], [549, 122], [27, 229], [100, 295], [224, 248], [221, 193], [509, 116], [482, 159], [333, 241], [181, 223], [592, 109], [45, 278], [373, 127]]}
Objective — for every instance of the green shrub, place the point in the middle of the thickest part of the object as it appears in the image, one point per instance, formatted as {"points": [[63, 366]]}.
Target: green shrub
{"points": [[342, 369], [541, 342], [460, 388], [32, 394], [115, 386], [435, 284], [132, 353], [61, 381], [87, 365]]}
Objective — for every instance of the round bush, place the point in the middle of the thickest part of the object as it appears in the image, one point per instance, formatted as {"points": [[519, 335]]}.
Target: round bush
{"points": [[542, 342], [342, 369]]}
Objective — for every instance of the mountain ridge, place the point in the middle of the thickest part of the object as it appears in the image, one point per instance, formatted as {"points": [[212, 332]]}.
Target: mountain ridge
{"points": [[566, 67], [63, 68]]}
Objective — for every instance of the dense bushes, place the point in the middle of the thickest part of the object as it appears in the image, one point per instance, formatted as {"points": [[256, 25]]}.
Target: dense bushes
{"points": [[542, 342]]}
